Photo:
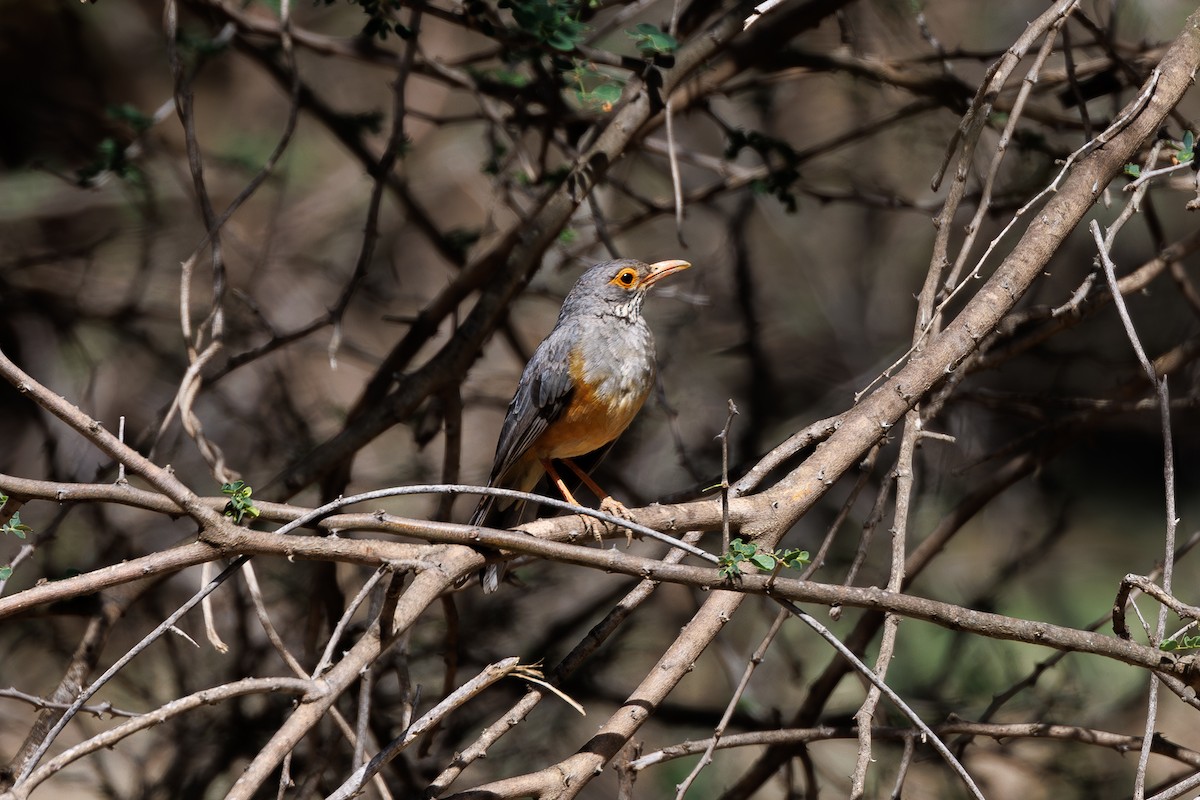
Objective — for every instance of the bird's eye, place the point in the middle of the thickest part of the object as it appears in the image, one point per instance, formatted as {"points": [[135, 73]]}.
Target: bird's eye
{"points": [[627, 276]]}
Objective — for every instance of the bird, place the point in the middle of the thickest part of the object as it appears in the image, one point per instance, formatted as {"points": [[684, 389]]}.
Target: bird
{"points": [[582, 387]]}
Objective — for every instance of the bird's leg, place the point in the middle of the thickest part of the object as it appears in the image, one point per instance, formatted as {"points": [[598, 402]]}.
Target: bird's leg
{"points": [[608, 503], [590, 523], [562, 487], [592, 486]]}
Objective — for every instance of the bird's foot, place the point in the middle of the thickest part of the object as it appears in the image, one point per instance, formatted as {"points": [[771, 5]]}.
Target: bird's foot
{"points": [[611, 505]]}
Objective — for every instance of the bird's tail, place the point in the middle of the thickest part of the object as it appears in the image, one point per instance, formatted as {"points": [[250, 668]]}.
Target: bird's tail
{"points": [[492, 514], [503, 513]]}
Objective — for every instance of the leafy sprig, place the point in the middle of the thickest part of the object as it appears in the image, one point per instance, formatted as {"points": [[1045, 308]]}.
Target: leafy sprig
{"points": [[1181, 643], [552, 24], [764, 560], [1187, 150], [16, 528], [239, 506]]}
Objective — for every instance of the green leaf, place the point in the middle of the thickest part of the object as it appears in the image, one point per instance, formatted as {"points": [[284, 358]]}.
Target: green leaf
{"points": [[239, 505], [1133, 170], [5, 573], [802, 559], [653, 41], [16, 527], [602, 97], [764, 561], [548, 22], [508, 77], [1181, 643], [792, 558], [561, 41], [741, 548], [606, 94], [1188, 151]]}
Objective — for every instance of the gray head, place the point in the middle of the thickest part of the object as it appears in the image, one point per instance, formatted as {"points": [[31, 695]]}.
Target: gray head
{"points": [[617, 288]]}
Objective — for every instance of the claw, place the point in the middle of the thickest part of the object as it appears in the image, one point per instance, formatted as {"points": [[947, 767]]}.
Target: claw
{"points": [[594, 527], [611, 505]]}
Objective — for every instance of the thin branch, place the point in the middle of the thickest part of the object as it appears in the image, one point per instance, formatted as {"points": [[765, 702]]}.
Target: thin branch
{"points": [[755, 659], [878, 683], [490, 674], [1117, 742], [111, 737], [1160, 384]]}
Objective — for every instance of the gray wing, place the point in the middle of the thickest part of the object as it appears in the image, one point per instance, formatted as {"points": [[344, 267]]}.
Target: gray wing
{"points": [[543, 393]]}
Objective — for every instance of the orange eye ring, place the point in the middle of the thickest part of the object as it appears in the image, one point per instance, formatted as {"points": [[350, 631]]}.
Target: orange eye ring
{"points": [[626, 277]]}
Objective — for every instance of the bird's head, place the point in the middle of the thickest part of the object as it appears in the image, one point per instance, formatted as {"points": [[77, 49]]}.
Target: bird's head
{"points": [[619, 287]]}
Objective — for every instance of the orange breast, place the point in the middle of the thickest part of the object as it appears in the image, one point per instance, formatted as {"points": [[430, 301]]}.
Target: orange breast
{"points": [[597, 414]]}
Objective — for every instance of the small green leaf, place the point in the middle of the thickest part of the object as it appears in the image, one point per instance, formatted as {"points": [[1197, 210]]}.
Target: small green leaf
{"points": [[607, 93], [802, 559], [5, 573], [239, 505], [508, 77], [741, 548], [764, 561], [16, 527], [601, 97], [651, 40], [792, 558], [1188, 151], [1133, 170], [548, 22], [560, 40], [1181, 643]]}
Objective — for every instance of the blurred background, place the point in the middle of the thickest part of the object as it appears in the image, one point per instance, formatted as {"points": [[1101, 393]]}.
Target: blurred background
{"points": [[805, 154]]}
